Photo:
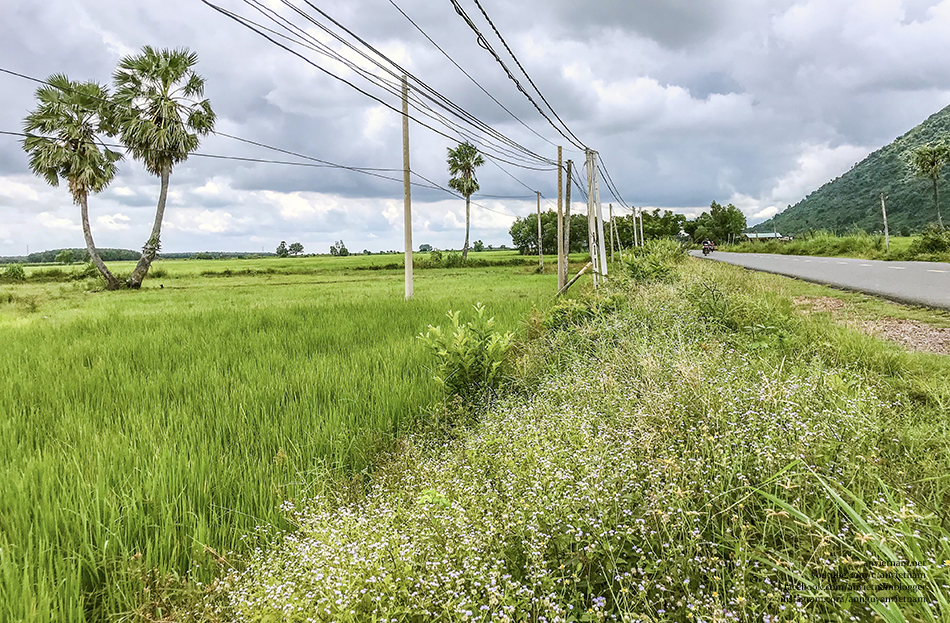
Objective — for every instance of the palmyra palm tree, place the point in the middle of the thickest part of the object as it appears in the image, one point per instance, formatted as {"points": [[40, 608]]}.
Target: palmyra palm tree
{"points": [[928, 161], [462, 161], [62, 142], [160, 120]]}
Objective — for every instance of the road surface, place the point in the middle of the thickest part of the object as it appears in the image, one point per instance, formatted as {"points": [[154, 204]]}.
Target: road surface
{"points": [[917, 283]]}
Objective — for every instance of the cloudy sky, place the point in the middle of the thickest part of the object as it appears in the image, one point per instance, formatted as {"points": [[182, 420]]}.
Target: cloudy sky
{"points": [[754, 102]]}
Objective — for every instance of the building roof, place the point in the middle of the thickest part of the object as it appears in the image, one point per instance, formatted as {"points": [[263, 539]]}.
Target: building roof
{"points": [[765, 235]]}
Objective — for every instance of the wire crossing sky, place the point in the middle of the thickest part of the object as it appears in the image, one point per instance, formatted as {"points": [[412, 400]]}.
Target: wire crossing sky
{"points": [[752, 102]]}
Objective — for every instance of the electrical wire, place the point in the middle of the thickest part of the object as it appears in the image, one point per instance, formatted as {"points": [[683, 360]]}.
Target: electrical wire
{"points": [[483, 43], [518, 63], [469, 76], [392, 87]]}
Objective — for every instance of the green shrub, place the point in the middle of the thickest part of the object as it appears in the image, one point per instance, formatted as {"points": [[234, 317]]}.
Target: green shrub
{"points": [[15, 272], [470, 355], [932, 240], [89, 271], [454, 260], [435, 257], [572, 312], [654, 261], [157, 273]]}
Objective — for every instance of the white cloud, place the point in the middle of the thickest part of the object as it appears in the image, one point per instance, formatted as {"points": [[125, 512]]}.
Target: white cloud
{"points": [[115, 222], [50, 221], [18, 191]]}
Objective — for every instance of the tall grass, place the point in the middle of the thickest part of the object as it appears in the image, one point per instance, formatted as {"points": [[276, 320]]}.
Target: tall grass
{"points": [[930, 246], [143, 433]]}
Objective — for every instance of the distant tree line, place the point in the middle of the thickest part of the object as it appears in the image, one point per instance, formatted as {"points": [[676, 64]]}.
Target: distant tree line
{"points": [[718, 224]]}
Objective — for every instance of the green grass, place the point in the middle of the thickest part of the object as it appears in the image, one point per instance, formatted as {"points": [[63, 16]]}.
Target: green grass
{"points": [[825, 244], [143, 433], [684, 449]]}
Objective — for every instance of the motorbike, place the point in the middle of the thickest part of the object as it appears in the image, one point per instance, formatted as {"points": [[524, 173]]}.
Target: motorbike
{"points": [[707, 249]]}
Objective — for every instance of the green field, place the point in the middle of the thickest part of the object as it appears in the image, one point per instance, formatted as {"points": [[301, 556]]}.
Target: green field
{"points": [[143, 433]]}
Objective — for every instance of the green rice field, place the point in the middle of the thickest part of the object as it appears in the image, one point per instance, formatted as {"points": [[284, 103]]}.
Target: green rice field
{"points": [[143, 433]]}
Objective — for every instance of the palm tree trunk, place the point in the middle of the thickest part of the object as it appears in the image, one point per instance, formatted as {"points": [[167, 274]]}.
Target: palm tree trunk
{"points": [[937, 203], [468, 220], [150, 250], [111, 282]]}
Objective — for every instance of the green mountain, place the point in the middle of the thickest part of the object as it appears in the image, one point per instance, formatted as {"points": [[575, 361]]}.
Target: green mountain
{"points": [[854, 199]]}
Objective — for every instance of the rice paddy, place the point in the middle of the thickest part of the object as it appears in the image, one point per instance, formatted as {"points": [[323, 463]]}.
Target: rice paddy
{"points": [[143, 433]]}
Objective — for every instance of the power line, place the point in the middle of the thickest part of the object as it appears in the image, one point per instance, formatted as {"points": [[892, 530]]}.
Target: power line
{"points": [[324, 165], [435, 97], [455, 194], [515, 58], [469, 76], [483, 43]]}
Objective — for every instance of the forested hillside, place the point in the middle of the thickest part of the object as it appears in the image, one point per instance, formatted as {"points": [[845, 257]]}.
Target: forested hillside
{"points": [[854, 199]]}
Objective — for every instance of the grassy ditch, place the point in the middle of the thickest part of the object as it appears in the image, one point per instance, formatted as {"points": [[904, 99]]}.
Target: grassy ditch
{"points": [[932, 245], [683, 447]]}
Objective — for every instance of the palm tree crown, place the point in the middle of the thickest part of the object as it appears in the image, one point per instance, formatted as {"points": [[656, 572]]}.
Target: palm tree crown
{"points": [[62, 140], [462, 161], [162, 118]]}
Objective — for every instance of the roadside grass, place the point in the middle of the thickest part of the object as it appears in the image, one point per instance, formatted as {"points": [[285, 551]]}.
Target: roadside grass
{"points": [[688, 449], [857, 245], [143, 433]]}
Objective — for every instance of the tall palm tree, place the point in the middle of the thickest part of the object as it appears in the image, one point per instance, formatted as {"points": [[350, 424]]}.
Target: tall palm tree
{"points": [[928, 161], [62, 142], [463, 160], [160, 120]]}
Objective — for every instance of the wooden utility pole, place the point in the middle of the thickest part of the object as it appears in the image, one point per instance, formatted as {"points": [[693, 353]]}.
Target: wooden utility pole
{"points": [[887, 237], [561, 272], [642, 241], [407, 199], [617, 235], [540, 252], [567, 223], [636, 220], [612, 231]]}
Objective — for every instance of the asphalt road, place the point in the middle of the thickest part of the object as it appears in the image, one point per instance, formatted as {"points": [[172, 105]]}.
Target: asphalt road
{"points": [[917, 283]]}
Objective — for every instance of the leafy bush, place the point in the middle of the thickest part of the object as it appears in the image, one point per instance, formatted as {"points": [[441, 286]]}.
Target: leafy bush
{"points": [[435, 257], [654, 261], [932, 240], [572, 312], [470, 355], [453, 260], [15, 272]]}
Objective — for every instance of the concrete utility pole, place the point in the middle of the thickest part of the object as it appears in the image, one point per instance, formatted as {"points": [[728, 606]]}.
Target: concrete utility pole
{"points": [[595, 221], [887, 237], [561, 272], [407, 199], [540, 252], [591, 226]]}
